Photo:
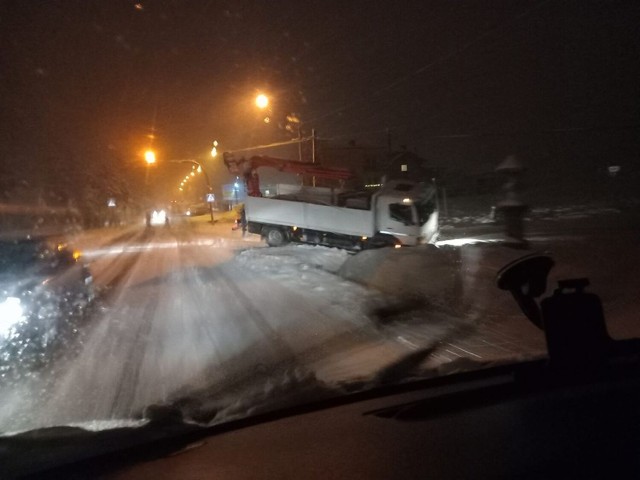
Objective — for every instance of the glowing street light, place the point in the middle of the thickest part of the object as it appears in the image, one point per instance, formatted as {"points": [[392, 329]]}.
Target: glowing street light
{"points": [[150, 157], [196, 167], [214, 150], [262, 101]]}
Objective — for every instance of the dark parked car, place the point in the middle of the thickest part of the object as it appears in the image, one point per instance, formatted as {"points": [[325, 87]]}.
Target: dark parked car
{"points": [[44, 287]]}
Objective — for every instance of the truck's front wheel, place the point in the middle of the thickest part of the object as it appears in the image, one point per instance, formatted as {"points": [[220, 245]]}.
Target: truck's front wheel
{"points": [[275, 237]]}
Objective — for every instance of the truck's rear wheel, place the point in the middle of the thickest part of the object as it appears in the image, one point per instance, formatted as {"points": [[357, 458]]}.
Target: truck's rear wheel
{"points": [[275, 237]]}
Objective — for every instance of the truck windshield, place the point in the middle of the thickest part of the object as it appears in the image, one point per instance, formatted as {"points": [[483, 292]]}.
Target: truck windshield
{"points": [[401, 213]]}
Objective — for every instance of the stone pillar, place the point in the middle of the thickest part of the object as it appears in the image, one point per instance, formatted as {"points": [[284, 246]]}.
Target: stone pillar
{"points": [[511, 207]]}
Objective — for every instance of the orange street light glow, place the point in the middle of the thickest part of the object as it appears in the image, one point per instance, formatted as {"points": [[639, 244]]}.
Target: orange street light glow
{"points": [[150, 157], [262, 101]]}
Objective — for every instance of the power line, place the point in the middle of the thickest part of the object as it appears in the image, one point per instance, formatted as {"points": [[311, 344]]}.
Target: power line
{"points": [[515, 133]]}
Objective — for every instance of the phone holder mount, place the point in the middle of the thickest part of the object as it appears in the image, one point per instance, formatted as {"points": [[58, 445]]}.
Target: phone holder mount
{"points": [[572, 319]]}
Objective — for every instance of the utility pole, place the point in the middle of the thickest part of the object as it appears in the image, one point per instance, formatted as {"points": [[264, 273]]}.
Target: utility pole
{"points": [[313, 153]]}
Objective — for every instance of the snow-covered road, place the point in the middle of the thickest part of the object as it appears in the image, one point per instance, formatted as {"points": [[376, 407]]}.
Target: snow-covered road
{"points": [[181, 313], [209, 321]]}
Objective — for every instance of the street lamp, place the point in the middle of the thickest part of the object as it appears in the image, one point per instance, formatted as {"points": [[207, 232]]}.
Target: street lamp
{"points": [[206, 178], [214, 150], [262, 101], [150, 157]]}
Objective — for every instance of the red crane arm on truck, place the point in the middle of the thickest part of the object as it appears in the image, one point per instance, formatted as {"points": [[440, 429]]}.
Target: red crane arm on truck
{"points": [[247, 168]]}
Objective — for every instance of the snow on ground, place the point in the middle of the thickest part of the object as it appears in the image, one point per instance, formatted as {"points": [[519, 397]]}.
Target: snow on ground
{"points": [[97, 237], [222, 330], [188, 320], [572, 211], [282, 261], [535, 213], [222, 326], [415, 298], [363, 339], [310, 271]]}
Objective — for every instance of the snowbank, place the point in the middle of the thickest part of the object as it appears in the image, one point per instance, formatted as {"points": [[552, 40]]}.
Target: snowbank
{"points": [[284, 260], [423, 272], [459, 280]]}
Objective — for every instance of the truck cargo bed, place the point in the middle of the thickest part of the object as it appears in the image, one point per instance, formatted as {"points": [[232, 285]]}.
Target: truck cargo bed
{"points": [[341, 220]]}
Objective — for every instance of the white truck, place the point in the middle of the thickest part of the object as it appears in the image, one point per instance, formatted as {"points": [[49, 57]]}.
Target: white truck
{"points": [[400, 212]]}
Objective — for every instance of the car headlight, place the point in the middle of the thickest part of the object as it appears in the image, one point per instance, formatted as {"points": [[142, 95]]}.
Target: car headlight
{"points": [[158, 217], [11, 313]]}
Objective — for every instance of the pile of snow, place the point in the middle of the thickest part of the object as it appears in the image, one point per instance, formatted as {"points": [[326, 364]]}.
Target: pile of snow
{"points": [[410, 296], [424, 272], [284, 260], [311, 272], [458, 281]]}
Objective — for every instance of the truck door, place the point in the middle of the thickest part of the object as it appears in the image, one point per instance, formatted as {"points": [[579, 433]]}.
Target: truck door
{"points": [[399, 219]]}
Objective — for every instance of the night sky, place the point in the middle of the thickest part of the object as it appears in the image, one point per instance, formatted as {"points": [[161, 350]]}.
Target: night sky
{"points": [[462, 83]]}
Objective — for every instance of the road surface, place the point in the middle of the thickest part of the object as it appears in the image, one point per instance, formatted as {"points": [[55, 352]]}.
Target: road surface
{"points": [[177, 314], [183, 310]]}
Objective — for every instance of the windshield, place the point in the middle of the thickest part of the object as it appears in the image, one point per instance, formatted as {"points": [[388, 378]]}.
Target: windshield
{"points": [[401, 213], [135, 132]]}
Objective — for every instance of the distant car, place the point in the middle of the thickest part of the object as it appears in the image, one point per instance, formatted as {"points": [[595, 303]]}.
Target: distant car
{"points": [[157, 217], [197, 209], [44, 288]]}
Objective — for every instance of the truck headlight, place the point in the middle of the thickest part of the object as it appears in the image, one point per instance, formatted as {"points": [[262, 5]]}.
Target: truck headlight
{"points": [[11, 313]]}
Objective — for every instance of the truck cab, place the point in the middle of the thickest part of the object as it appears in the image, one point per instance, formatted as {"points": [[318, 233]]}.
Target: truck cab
{"points": [[407, 211]]}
